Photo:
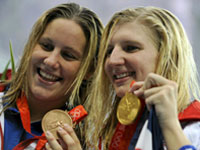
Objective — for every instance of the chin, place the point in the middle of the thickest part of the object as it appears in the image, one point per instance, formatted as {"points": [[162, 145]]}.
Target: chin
{"points": [[120, 93], [40, 96], [40, 93]]}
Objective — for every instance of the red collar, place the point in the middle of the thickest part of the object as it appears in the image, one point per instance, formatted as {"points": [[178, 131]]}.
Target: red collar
{"points": [[192, 112]]}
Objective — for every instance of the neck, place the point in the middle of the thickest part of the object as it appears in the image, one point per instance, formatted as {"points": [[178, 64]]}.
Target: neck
{"points": [[39, 108]]}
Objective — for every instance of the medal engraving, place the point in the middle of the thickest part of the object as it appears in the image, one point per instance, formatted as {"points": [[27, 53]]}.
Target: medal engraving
{"points": [[54, 119], [128, 109]]}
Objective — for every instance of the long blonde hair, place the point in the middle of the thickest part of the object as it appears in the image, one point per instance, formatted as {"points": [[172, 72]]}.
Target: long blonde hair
{"points": [[175, 62], [92, 28]]}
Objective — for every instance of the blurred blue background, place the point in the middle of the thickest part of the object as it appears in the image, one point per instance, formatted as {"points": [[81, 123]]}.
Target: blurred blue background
{"points": [[18, 16]]}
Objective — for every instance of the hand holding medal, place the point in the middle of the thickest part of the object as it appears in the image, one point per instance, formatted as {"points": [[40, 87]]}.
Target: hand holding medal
{"points": [[54, 119], [128, 108], [57, 118]]}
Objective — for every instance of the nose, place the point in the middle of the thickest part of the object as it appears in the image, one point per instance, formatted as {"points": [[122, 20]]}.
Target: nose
{"points": [[52, 60], [116, 57]]}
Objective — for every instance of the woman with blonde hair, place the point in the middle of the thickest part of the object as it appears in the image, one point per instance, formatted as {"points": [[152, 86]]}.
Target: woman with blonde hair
{"points": [[55, 69], [147, 45]]}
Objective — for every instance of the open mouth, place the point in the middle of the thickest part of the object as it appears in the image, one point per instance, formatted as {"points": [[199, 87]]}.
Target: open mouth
{"points": [[123, 75], [48, 77]]}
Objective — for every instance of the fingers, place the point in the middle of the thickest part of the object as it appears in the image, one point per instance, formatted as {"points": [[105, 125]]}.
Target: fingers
{"points": [[47, 147], [69, 137], [52, 142], [150, 96], [154, 80], [137, 88], [163, 94], [67, 140], [71, 132], [155, 96], [156, 90]]}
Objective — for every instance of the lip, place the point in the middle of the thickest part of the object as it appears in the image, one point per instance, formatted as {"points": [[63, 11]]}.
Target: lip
{"points": [[44, 81], [122, 80]]}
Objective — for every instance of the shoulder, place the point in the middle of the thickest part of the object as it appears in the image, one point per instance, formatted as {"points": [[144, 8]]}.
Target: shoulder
{"points": [[1, 94], [1, 105], [192, 112], [193, 127], [192, 131], [191, 116]]}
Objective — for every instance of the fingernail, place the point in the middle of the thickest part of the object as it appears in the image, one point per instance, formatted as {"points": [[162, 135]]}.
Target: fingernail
{"points": [[60, 129], [136, 92], [47, 145], [48, 133], [66, 125]]}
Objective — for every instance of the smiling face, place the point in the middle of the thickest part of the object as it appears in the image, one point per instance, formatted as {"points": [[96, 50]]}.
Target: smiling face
{"points": [[131, 55], [55, 61]]}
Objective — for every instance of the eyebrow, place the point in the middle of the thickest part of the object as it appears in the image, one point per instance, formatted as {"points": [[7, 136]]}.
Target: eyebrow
{"points": [[67, 48], [132, 42], [46, 39], [128, 42]]}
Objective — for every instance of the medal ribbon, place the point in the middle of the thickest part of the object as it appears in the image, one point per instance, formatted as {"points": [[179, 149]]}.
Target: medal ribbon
{"points": [[2, 139], [77, 114], [123, 133]]}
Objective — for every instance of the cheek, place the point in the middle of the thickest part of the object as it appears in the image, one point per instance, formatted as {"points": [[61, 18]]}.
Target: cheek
{"points": [[71, 70], [36, 55], [31, 72], [33, 60], [149, 66], [153, 63], [106, 68]]}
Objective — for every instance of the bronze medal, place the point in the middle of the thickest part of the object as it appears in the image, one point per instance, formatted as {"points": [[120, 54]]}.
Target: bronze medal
{"points": [[128, 109], [54, 119]]}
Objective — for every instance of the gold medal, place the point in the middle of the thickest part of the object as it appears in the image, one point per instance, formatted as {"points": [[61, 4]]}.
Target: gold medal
{"points": [[128, 109], [54, 119]]}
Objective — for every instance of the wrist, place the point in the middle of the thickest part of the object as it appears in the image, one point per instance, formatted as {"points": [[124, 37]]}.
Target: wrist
{"points": [[170, 125], [174, 136]]}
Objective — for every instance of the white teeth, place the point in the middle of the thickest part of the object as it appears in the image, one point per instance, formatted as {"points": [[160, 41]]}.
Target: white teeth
{"points": [[122, 75], [48, 76]]}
